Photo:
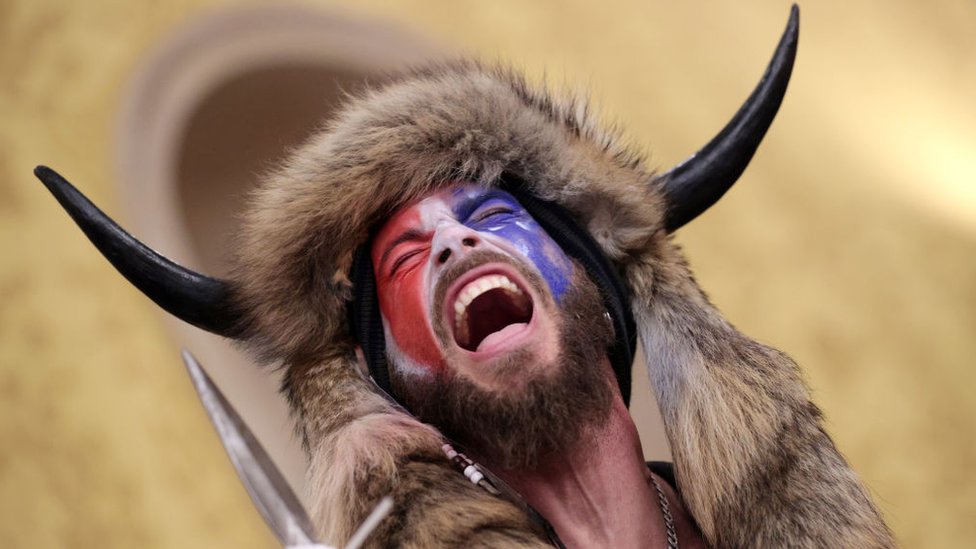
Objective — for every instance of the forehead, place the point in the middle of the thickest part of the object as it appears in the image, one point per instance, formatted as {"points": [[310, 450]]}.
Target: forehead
{"points": [[456, 201]]}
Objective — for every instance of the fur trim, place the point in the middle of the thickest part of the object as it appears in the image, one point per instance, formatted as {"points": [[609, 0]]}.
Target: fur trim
{"points": [[755, 467]]}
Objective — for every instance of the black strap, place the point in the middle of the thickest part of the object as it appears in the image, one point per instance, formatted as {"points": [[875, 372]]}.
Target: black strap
{"points": [[665, 470], [578, 243], [365, 319]]}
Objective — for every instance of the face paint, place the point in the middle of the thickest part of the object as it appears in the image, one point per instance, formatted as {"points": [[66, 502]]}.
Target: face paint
{"points": [[402, 258], [498, 213]]}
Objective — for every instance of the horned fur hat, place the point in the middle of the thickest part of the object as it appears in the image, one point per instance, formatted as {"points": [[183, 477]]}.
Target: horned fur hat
{"points": [[289, 294], [424, 130]]}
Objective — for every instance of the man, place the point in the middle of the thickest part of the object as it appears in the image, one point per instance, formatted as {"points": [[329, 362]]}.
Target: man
{"points": [[386, 244]]}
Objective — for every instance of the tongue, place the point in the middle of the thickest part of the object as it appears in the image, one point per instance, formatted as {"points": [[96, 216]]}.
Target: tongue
{"points": [[497, 339]]}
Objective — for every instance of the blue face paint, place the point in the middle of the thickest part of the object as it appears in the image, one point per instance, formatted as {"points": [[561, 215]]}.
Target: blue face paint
{"points": [[498, 213]]}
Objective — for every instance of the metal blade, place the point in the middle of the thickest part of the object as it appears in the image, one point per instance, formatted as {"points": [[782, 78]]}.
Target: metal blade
{"points": [[267, 487]]}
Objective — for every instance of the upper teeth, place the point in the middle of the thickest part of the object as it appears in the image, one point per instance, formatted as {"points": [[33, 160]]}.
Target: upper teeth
{"points": [[476, 288]]}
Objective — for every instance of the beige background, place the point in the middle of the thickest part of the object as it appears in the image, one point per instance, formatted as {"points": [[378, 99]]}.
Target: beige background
{"points": [[849, 243]]}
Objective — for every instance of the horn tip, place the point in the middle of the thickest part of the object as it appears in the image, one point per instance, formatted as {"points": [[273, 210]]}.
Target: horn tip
{"points": [[42, 172], [793, 24], [51, 179]]}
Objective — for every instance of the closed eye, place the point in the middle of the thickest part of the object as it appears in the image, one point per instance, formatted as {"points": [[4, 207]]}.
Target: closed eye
{"points": [[493, 212], [403, 259]]}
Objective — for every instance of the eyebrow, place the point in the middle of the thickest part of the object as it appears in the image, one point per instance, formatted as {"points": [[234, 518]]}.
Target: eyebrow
{"points": [[464, 209], [410, 235]]}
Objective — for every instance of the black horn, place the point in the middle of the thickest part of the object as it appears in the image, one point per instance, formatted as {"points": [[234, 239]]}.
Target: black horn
{"points": [[195, 298], [694, 185]]}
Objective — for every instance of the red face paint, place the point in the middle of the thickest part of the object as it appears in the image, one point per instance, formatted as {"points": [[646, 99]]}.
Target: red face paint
{"points": [[401, 268]]}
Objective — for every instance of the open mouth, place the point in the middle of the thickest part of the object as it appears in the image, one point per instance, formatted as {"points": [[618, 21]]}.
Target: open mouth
{"points": [[489, 308]]}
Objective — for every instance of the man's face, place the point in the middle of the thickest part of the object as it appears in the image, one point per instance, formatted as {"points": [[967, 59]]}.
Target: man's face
{"points": [[494, 336], [467, 276]]}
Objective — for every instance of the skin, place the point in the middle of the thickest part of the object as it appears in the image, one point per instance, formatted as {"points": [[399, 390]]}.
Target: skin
{"points": [[597, 492]]}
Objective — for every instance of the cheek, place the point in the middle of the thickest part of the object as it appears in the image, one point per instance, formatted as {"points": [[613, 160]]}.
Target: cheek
{"points": [[556, 268], [530, 240], [404, 307]]}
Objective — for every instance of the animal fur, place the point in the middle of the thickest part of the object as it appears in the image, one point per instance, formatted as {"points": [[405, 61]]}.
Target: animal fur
{"points": [[753, 463]]}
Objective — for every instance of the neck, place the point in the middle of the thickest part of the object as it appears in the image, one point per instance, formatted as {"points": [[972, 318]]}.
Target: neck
{"points": [[597, 493]]}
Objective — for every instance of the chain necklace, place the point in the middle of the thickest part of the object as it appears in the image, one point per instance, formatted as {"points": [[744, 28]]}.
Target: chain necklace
{"points": [[666, 511]]}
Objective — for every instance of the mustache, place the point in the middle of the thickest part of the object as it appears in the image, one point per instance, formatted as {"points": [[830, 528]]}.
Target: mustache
{"points": [[475, 259]]}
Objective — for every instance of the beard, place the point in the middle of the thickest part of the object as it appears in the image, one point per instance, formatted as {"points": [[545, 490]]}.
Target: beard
{"points": [[550, 411]]}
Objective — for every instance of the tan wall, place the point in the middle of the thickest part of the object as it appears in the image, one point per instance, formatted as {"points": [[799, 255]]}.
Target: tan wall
{"points": [[849, 244]]}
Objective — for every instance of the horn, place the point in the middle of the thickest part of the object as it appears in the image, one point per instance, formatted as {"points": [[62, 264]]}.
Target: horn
{"points": [[693, 186], [195, 298]]}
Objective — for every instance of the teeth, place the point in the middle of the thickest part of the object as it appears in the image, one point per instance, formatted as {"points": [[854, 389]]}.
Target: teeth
{"points": [[472, 291]]}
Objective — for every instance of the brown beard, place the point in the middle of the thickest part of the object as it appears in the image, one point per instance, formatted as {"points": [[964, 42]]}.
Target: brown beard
{"points": [[546, 414]]}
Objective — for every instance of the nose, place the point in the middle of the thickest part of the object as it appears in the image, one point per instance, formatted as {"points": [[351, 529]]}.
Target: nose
{"points": [[453, 240]]}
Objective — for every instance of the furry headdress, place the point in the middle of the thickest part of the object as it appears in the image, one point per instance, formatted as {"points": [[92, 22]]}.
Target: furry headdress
{"points": [[753, 464]]}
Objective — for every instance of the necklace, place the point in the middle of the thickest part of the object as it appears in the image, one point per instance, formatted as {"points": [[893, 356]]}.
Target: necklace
{"points": [[666, 511]]}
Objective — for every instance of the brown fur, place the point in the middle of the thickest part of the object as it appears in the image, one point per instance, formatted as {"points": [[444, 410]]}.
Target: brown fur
{"points": [[753, 463]]}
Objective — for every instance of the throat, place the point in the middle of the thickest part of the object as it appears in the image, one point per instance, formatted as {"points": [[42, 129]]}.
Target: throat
{"points": [[597, 494]]}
